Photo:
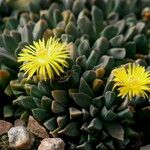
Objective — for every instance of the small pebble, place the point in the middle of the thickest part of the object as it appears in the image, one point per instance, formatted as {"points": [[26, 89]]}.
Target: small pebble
{"points": [[35, 128], [4, 126], [52, 144], [19, 137]]}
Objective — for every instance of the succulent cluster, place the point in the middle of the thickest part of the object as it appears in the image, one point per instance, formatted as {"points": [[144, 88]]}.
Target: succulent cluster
{"points": [[79, 104]]}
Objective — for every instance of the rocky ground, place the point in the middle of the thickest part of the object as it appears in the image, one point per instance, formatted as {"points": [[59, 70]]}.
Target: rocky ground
{"points": [[31, 136]]}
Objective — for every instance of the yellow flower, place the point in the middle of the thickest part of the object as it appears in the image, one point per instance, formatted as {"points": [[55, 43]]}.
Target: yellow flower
{"points": [[44, 58], [131, 80]]}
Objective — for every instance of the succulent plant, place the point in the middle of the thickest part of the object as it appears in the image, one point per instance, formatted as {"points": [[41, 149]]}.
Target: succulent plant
{"points": [[80, 104], [75, 107]]}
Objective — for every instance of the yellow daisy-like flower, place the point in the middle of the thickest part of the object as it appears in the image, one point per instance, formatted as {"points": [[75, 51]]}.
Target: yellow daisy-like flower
{"points": [[44, 58], [131, 80]]}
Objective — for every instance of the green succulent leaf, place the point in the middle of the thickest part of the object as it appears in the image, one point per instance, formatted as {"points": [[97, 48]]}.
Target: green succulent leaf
{"points": [[40, 114], [92, 60], [109, 32], [81, 99], [62, 121], [60, 96], [98, 101], [51, 124], [71, 130], [36, 92], [46, 103], [85, 88], [84, 146], [109, 98], [101, 146], [97, 19], [126, 113], [74, 112], [108, 115], [115, 130], [25, 101], [39, 29], [57, 107], [95, 124], [8, 111]]}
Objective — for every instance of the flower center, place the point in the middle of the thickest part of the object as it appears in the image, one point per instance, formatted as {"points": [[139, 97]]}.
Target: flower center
{"points": [[42, 57], [132, 82]]}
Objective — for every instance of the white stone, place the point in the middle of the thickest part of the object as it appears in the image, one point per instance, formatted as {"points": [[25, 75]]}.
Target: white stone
{"points": [[19, 137], [52, 144], [146, 147]]}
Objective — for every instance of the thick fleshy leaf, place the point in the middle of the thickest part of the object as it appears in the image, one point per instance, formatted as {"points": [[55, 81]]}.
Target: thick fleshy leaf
{"points": [[97, 19], [24, 116], [62, 121], [77, 6], [128, 46], [36, 92], [128, 132], [46, 103], [51, 9], [85, 88], [105, 62], [109, 32], [141, 43], [26, 34], [117, 53], [39, 29], [92, 60], [40, 114], [51, 124], [74, 112], [115, 130], [66, 38], [96, 85], [37, 101], [44, 87], [84, 48], [98, 101], [92, 137], [126, 114], [57, 16], [110, 144], [130, 33], [73, 51], [117, 41], [8, 111], [25, 101], [85, 26], [72, 30], [81, 61], [93, 110], [102, 44], [100, 72], [108, 115], [57, 107], [101, 146], [109, 98], [10, 44], [82, 99], [86, 114], [95, 124], [60, 96], [120, 26], [85, 146], [8, 91], [71, 130], [89, 76]]}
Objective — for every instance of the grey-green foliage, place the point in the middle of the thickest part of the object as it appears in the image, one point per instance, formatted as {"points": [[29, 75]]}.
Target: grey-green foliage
{"points": [[75, 107]]}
